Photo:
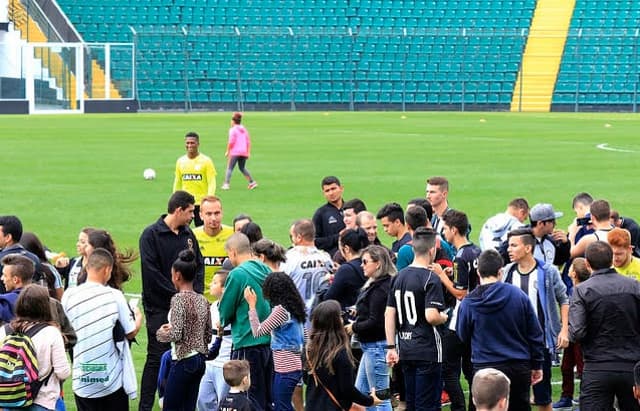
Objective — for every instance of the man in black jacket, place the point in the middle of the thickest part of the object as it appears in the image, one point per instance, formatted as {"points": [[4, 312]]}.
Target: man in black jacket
{"points": [[628, 224], [160, 244], [328, 219], [604, 317]]}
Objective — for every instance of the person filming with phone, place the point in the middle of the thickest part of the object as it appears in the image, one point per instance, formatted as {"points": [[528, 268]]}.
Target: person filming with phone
{"points": [[368, 326]]}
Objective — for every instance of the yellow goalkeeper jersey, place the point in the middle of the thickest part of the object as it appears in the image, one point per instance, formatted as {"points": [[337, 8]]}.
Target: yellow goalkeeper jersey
{"points": [[632, 269], [196, 176], [212, 250]]}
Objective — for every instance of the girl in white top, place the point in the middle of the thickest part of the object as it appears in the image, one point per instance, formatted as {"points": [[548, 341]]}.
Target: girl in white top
{"points": [[32, 308]]}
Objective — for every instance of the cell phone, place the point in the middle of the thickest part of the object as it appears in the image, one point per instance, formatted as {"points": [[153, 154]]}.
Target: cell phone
{"points": [[383, 394], [133, 303], [583, 221]]}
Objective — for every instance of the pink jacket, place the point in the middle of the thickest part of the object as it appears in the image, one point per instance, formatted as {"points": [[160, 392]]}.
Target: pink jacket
{"points": [[239, 141]]}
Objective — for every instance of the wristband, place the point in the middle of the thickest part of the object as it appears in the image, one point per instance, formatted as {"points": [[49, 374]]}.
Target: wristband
{"points": [[390, 347]]}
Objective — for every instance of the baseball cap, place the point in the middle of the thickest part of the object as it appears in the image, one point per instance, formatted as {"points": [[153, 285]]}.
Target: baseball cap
{"points": [[543, 212]]}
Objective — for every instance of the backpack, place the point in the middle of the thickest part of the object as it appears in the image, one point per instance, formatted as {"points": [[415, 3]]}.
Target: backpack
{"points": [[19, 383]]}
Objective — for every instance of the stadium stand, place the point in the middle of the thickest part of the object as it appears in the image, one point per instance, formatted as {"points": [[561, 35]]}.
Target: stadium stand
{"points": [[317, 52], [429, 54], [601, 64]]}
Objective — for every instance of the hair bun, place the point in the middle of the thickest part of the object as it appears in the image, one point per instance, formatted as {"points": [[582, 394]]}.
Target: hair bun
{"points": [[187, 255]]}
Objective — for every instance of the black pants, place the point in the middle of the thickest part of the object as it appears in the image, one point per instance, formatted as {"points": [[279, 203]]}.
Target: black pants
{"points": [[118, 400], [453, 349], [261, 363], [597, 389], [519, 372], [155, 349]]}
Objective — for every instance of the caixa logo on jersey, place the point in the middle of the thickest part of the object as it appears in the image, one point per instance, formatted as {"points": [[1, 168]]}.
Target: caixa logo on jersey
{"points": [[192, 177], [214, 261]]}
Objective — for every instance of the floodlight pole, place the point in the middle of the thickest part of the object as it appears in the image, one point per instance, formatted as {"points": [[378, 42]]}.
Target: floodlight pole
{"points": [[635, 83], [352, 81], [404, 72], [521, 72], [292, 73], [240, 102], [187, 59], [134, 79]]}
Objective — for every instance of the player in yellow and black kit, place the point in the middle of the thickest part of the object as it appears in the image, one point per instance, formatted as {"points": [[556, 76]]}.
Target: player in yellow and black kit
{"points": [[195, 173], [212, 236]]}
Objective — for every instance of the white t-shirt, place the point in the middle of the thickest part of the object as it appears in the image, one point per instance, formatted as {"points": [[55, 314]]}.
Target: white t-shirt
{"points": [[93, 310], [495, 229], [227, 341], [307, 266]]}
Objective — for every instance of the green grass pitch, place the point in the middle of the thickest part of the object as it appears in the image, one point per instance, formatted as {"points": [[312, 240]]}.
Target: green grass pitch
{"points": [[61, 173]]}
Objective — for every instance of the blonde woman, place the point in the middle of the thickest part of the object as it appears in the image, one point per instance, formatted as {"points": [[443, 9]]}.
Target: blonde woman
{"points": [[373, 372]]}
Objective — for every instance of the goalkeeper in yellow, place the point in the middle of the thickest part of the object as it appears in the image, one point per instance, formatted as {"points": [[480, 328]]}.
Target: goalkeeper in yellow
{"points": [[195, 173]]}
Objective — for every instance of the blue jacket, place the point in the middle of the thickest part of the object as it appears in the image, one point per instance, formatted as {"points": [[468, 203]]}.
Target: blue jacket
{"points": [[8, 304], [552, 296], [289, 336], [499, 321]]}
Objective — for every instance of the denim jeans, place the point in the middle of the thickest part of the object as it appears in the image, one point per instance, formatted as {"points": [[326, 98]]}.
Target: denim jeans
{"points": [[423, 381], [283, 386], [373, 371], [181, 392], [212, 389]]}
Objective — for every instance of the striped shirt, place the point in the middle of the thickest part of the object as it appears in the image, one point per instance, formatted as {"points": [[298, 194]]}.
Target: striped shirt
{"points": [[93, 310], [528, 284], [283, 360]]}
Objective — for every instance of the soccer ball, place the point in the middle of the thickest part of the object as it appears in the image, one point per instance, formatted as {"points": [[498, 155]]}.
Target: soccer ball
{"points": [[149, 174]]}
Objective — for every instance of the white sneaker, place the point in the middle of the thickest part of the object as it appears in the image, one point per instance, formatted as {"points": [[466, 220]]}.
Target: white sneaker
{"points": [[225, 186]]}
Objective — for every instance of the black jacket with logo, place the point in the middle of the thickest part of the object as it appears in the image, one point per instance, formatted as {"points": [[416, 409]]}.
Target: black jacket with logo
{"points": [[604, 316], [159, 248]]}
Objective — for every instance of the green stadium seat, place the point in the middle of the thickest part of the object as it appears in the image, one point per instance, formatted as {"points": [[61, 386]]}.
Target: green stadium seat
{"points": [[319, 52]]}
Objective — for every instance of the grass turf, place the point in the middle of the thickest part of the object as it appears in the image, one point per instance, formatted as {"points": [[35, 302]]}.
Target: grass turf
{"points": [[61, 173]]}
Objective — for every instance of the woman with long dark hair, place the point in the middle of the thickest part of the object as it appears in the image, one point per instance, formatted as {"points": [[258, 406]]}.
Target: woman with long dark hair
{"points": [[122, 259], [286, 326], [368, 326], [52, 279], [331, 366]]}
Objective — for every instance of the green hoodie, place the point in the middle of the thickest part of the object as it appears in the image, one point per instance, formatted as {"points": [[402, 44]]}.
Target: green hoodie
{"points": [[233, 307]]}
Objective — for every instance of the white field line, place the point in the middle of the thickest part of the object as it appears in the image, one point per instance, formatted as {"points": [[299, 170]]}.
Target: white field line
{"points": [[606, 147]]}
